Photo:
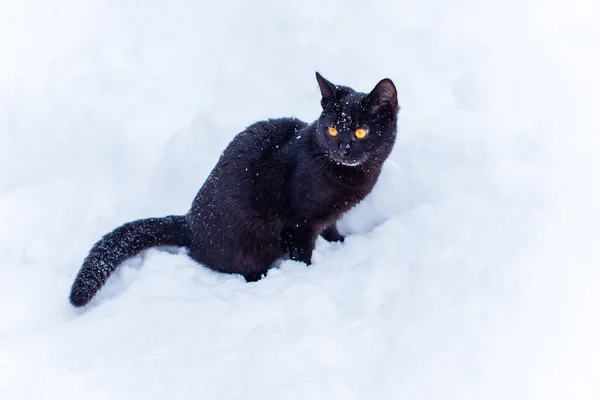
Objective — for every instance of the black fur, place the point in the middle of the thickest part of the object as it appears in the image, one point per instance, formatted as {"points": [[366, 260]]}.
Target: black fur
{"points": [[278, 185]]}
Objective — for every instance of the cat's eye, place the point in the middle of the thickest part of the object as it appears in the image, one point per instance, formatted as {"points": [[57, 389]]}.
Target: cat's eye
{"points": [[360, 133], [332, 131]]}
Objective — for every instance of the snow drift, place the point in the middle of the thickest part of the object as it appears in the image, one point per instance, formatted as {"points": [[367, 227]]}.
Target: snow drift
{"points": [[471, 272]]}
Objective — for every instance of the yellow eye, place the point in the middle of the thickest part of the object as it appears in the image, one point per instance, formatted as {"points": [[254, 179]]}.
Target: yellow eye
{"points": [[332, 131], [360, 133]]}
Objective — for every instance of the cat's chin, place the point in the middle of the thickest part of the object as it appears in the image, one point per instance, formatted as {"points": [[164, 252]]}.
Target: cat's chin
{"points": [[346, 161]]}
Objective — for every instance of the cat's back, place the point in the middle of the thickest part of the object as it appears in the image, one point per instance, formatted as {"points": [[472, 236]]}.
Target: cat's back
{"points": [[264, 138], [251, 178], [256, 162]]}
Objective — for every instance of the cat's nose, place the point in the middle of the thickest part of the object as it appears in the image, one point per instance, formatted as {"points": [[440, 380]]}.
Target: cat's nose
{"points": [[343, 149]]}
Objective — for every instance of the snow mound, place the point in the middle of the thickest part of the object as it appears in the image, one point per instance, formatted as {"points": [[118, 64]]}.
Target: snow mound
{"points": [[471, 271]]}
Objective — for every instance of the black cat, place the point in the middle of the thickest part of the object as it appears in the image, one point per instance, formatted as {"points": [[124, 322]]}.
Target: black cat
{"points": [[277, 186]]}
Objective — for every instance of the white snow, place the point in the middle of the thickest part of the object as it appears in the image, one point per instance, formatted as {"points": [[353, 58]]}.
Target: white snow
{"points": [[472, 272]]}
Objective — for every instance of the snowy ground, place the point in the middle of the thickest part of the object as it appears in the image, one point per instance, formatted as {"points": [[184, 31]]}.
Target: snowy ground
{"points": [[470, 273]]}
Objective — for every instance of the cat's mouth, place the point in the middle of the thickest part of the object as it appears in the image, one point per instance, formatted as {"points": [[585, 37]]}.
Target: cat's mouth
{"points": [[346, 161]]}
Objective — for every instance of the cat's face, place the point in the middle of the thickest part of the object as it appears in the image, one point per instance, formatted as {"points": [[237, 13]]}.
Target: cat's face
{"points": [[357, 129]]}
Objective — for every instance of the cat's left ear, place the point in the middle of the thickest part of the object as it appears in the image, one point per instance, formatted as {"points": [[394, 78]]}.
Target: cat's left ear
{"points": [[328, 91], [383, 97]]}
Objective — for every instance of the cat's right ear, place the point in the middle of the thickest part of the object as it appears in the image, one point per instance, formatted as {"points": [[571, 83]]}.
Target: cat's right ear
{"points": [[383, 98], [328, 91]]}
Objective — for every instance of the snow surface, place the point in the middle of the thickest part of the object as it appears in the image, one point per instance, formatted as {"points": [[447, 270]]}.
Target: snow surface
{"points": [[470, 273]]}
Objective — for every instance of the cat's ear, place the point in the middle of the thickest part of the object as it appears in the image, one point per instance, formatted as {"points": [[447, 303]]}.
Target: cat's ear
{"points": [[383, 98], [328, 91]]}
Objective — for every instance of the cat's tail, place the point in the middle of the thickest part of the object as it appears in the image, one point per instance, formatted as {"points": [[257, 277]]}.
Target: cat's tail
{"points": [[124, 242]]}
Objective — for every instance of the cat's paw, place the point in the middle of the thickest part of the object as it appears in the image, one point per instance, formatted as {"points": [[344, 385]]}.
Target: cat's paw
{"points": [[301, 255], [331, 234]]}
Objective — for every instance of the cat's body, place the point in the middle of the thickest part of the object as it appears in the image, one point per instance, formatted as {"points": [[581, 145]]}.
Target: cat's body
{"points": [[277, 186]]}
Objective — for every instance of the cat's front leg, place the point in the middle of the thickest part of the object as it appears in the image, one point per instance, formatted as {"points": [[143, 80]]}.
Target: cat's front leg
{"points": [[300, 242], [331, 234]]}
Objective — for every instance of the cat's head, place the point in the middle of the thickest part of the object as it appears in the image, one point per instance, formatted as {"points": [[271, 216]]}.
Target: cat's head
{"points": [[356, 128]]}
